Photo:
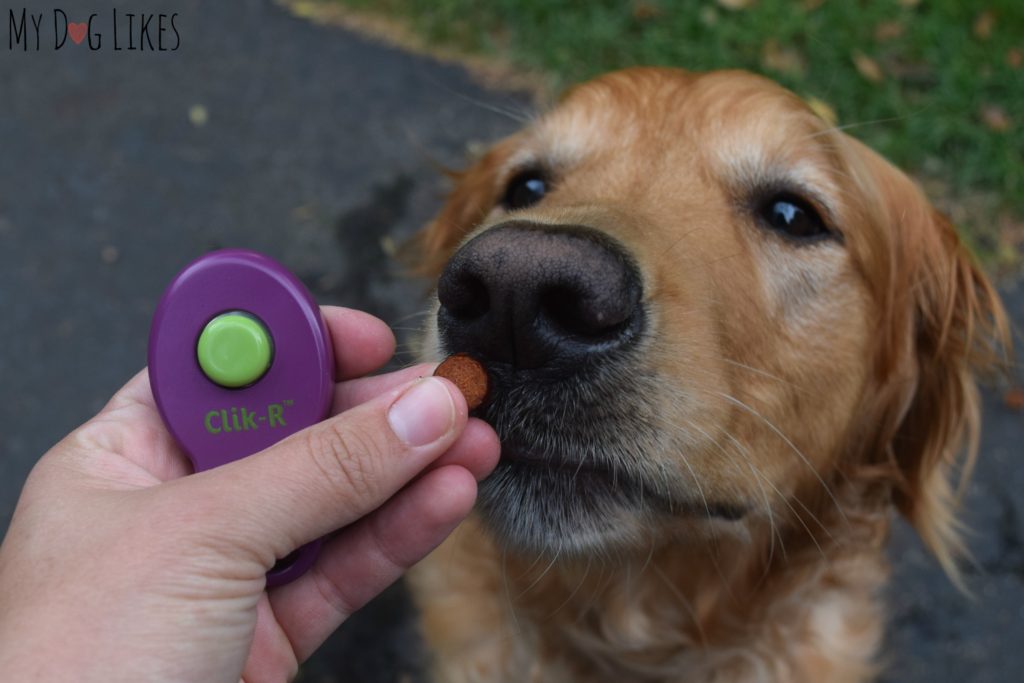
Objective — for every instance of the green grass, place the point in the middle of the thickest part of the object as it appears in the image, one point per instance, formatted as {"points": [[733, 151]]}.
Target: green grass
{"points": [[925, 114]]}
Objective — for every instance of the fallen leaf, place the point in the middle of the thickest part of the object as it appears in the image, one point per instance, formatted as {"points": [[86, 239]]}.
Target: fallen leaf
{"points": [[1007, 256], [304, 9], [811, 5], [995, 118], [984, 24], [823, 109], [303, 212], [909, 3], [735, 4], [110, 254], [645, 11], [1011, 232], [867, 67], [920, 73], [388, 245], [888, 30], [1014, 399], [787, 60], [198, 115], [1014, 58], [475, 149]]}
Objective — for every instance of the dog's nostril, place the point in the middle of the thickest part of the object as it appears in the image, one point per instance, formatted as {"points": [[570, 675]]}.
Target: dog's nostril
{"points": [[560, 305], [467, 298], [573, 312]]}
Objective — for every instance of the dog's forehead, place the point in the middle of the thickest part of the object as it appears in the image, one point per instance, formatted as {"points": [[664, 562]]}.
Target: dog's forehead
{"points": [[741, 128]]}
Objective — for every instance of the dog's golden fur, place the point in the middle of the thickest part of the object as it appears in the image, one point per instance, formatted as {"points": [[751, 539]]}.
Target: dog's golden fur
{"points": [[816, 387]]}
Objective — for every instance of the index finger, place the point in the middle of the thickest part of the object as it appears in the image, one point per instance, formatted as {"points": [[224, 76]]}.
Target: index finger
{"points": [[361, 342]]}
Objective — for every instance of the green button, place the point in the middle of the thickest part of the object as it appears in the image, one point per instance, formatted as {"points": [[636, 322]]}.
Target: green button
{"points": [[234, 349]]}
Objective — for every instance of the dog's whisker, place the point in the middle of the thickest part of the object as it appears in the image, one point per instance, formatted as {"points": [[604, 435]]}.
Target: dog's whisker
{"points": [[526, 115], [759, 371], [715, 543], [714, 353], [508, 591], [774, 529], [420, 313], [769, 510], [408, 364], [683, 600], [650, 556], [403, 328], [786, 500], [536, 581], [857, 124], [735, 401], [667, 481], [572, 594], [409, 349], [724, 258], [700, 490], [668, 250]]}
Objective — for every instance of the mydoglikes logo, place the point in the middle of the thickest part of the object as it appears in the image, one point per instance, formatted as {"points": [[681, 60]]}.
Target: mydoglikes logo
{"points": [[131, 31]]}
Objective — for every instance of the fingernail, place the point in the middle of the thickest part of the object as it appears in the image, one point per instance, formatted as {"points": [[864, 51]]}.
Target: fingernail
{"points": [[423, 414]]}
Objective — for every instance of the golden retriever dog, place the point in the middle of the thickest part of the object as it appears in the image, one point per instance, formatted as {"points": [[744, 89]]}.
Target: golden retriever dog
{"points": [[726, 342]]}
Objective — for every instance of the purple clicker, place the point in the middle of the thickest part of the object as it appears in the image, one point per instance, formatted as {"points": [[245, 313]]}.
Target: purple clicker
{"points": [[240, 358]]}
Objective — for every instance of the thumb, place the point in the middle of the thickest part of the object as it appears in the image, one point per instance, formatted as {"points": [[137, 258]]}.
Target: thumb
{"points": [[332, 473]]}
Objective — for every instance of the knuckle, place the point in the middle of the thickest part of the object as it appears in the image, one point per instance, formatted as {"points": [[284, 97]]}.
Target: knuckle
{"points": [[393, 555], [346, 458], [336, 594]]}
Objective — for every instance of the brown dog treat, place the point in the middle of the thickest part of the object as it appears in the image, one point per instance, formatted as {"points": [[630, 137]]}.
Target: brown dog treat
{"points": [[469, 375]]}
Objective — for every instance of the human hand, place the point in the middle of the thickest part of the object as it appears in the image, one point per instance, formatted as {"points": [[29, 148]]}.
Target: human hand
{"points": [[118, 567]]}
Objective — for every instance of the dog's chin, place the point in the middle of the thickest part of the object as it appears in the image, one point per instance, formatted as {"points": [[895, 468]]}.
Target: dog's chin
{"points": [[559, 507], [536, 508]]}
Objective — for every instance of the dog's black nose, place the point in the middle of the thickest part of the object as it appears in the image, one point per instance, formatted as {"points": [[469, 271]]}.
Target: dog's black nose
{"points": [[539, 296]]}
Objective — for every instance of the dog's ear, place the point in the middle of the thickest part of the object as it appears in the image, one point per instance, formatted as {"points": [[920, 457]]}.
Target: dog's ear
{"points": [[942, 328], [961, 332], [476, 191]]}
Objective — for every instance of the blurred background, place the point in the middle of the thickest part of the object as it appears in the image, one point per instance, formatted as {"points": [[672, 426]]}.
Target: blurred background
{"points": [[315, 131]]}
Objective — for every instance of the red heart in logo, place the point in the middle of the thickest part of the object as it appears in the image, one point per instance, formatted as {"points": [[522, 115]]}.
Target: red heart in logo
{"points": [[77, 31]]}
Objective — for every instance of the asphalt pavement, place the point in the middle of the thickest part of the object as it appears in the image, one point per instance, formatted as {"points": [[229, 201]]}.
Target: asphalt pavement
{"points": [[319, 147]]}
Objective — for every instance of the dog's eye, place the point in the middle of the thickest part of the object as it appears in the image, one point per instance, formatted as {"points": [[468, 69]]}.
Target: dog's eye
{"points": [[792, 215], [525, 189]]}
